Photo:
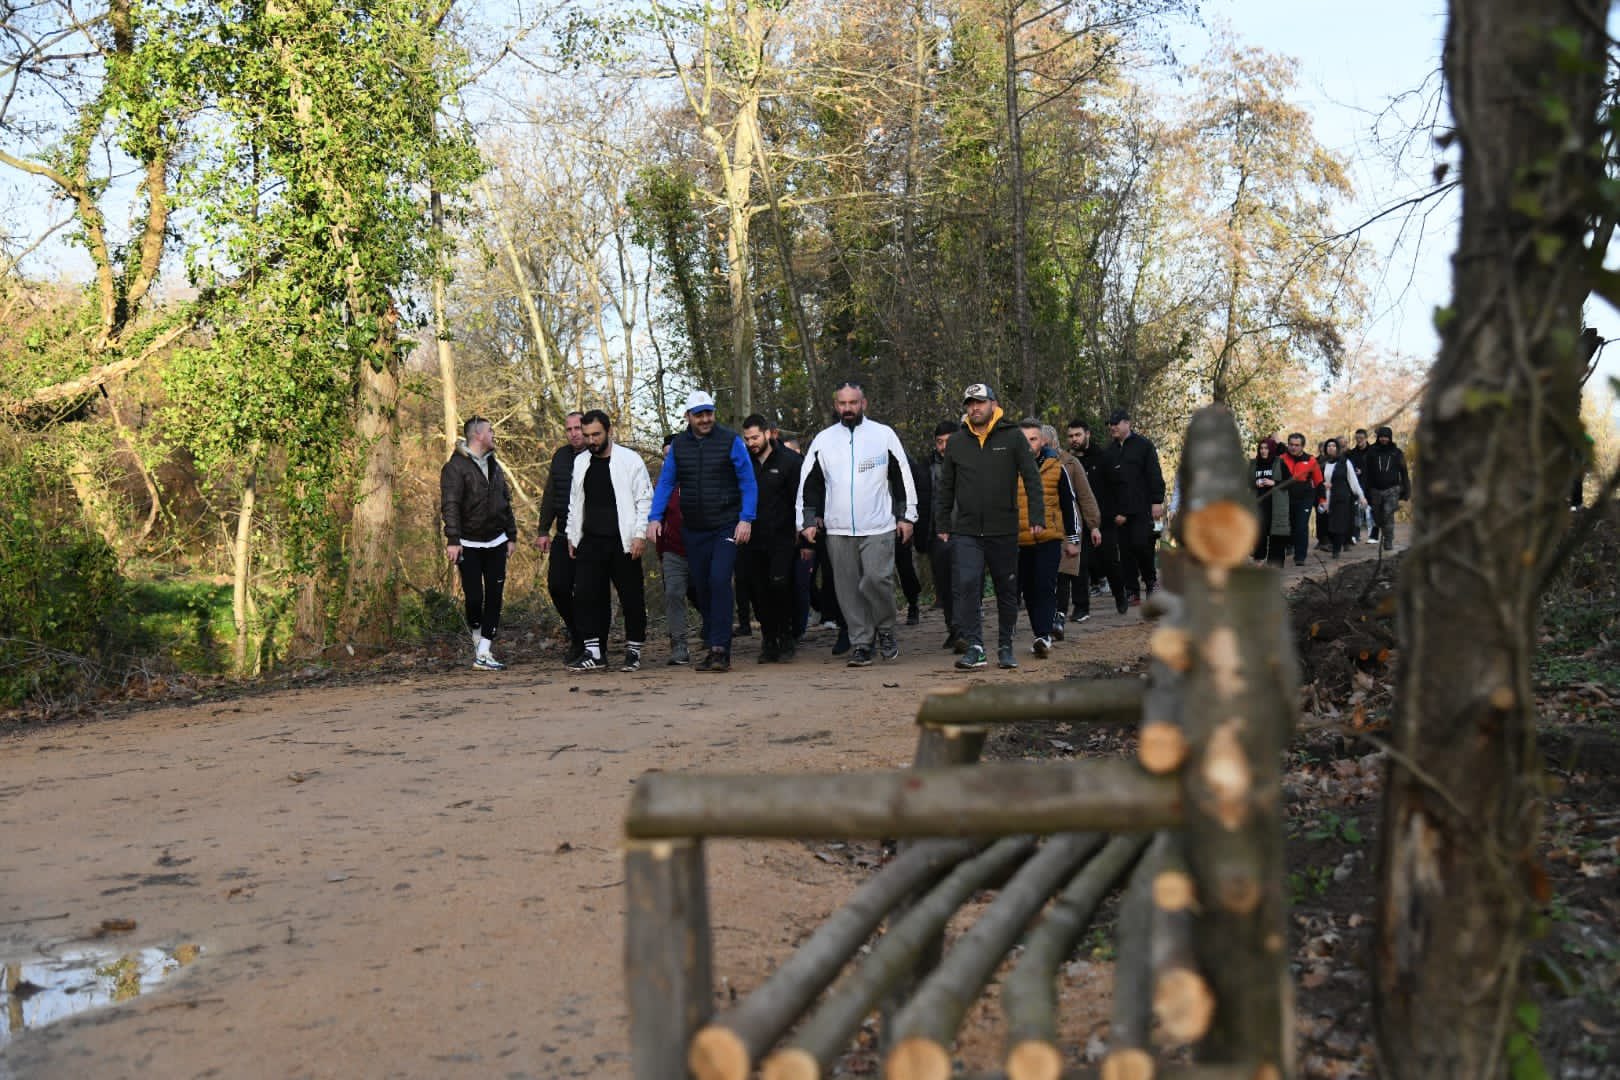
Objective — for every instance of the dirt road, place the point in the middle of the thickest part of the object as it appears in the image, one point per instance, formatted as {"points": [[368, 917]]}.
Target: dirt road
{"points": [[419, 877]]}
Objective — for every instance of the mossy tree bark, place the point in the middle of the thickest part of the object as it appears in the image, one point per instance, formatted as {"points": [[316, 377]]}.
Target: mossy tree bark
{"points": [[1501, 417]]}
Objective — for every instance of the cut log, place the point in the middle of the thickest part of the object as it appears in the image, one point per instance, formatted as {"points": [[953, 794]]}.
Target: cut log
{"points": [[917, 1059], [999, 798], [948, 744], [1128, 1064], [1219, 520], [1171, 644], [1161, 748], [1071, 701], [1128, 1054], [727, 1048], [825, 1034], [935, 1011], [667, 954], [1240, 707], [1182, 1000], [1029, 994]]}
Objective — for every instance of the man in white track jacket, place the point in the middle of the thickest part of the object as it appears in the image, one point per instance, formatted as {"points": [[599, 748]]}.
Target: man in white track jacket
{"points": [[856, 484]]}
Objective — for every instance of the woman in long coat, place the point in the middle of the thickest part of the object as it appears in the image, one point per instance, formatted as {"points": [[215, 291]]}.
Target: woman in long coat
{"points": [[1275, 527], [1344, 495]]}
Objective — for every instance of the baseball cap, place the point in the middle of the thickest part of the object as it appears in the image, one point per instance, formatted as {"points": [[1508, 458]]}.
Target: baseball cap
{"points": [[1117, 415], [699, 401], [979, 392]]}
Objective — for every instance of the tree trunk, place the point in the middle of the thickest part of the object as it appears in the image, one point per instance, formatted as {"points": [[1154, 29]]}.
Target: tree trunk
{"points": [[240, 550], [441, 333], [738, 272], [1020, 215], [95, 502], [1462, 806], [370, 600]]}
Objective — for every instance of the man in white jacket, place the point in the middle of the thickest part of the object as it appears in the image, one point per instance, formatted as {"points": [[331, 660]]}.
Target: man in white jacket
{"points": [[856, 484], [607, 524]]}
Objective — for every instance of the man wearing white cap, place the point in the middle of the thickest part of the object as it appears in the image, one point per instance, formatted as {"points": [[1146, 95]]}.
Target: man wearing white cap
{"points": [[711, 466]]}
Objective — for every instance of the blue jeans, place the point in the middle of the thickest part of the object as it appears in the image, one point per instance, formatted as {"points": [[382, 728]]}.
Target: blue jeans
{"points": [[1299, 514], [711, 557]]}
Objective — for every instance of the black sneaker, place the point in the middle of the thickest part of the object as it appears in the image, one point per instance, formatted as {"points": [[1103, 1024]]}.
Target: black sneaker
{"points": [[1082, 617], [861, 656], [787, 651], [575, 651], [950, 641], [913, 615], [1005, 658], [972, 657], [841, 646], [717, 660], [888, 647], [768, 652], [678, 656], [587, 662], [1057, 628], [1121, 604]]}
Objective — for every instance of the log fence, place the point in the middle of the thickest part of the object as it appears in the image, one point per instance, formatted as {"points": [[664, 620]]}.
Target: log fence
{"points": [[1192, 830]]}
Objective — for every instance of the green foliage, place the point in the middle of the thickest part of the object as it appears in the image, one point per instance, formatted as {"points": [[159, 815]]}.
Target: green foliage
{"points": [[60, 592]]}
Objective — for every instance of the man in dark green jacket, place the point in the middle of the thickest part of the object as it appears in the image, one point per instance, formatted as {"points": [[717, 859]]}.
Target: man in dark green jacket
{"points": [[978, 498]]}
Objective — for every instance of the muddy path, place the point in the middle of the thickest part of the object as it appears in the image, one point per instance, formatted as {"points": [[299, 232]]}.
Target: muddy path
{"points": [[420, 877]]}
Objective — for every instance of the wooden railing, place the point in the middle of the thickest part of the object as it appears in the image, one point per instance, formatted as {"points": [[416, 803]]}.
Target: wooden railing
{"points": [[1193, 828]]}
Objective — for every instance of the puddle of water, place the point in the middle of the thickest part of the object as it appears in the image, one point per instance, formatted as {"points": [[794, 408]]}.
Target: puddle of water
{"points": [[41, 991]]}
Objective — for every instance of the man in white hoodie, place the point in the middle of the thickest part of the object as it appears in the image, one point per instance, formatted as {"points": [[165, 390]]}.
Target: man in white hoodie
{"points": [[608, 502], [856, 484]]}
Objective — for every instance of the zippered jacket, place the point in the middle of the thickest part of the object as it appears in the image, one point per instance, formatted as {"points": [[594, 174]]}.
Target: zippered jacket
{"points": [[632, 494], [554, 503], [778, 480], [474, 506], [978, 493], [1057, 490], [865, 483]]}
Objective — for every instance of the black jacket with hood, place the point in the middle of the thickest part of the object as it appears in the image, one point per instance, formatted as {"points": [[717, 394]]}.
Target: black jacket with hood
{"points": [[474, 506]]}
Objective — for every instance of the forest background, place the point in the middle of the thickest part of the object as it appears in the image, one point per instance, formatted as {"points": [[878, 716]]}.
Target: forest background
{"points": [[262, 258]]}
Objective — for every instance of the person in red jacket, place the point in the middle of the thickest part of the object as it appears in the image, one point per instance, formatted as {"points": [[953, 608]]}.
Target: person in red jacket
{"points": [[1304, 479]]}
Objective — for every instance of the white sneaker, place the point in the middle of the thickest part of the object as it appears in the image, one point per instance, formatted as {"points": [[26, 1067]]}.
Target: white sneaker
{"points": [[1042, 647], [487, 662]]}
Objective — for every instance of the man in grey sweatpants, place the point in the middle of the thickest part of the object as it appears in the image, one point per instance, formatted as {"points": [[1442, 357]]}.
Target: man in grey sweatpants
{"points": [[856, 484]]}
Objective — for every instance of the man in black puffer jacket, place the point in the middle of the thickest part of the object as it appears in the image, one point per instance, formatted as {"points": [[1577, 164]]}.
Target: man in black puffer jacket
{"points": [[554, 511], [479, 531]]}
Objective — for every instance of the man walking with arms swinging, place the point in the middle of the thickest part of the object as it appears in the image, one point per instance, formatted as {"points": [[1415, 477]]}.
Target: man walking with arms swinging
{"points": [[857, 484]]}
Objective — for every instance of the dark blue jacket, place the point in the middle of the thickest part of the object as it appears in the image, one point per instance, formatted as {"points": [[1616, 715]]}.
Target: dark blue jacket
{"points": [[716, 478]]}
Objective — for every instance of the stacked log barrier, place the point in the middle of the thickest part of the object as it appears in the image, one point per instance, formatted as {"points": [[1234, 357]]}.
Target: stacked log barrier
{"points": [[1200, 945]]}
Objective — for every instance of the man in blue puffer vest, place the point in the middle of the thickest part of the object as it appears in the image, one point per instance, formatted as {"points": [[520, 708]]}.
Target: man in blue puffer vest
{"points": [[711, 466]]}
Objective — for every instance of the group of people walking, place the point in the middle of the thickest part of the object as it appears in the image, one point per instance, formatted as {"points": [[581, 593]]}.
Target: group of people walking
{"points": [[1339, 488], [993, 499]]}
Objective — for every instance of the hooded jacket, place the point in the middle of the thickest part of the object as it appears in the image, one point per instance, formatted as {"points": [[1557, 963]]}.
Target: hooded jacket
{"points": [[865, 479], [978, 480], [474, 506]]}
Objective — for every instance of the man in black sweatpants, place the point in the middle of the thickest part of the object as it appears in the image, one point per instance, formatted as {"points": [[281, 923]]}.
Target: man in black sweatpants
{"points": [[554, 511], [611, 493], [479, 531], [767, 564]]}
